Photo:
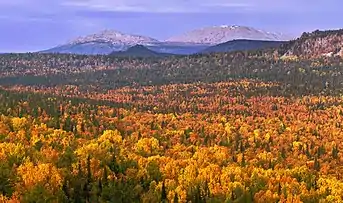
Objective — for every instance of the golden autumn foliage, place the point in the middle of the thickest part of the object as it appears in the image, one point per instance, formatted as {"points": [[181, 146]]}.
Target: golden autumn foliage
{"points": [[45, 174], [217, 146]]}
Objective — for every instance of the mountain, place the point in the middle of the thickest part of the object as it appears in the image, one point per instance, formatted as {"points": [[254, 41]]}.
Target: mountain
{"points": [[115, 38], [242, 45], [104, 42], [138, 51], [313, 45], [104, 48], [87, 48], [221, 34], [109, 41]]}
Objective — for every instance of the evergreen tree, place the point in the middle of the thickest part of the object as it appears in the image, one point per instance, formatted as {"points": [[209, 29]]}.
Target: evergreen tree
{"points": [[163, 193], [66, 189], [316, 164], [335, 152], [176, 198]]}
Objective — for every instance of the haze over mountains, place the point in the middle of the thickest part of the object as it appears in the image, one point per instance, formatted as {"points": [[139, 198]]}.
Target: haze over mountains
{"points": [[195, 41], [139, 51]]}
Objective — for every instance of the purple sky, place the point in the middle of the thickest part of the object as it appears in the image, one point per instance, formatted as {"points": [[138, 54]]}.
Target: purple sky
{"points": [[31, 25]]}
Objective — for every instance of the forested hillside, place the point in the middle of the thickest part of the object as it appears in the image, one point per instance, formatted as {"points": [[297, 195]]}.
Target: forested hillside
{"points": [[316, 44]]}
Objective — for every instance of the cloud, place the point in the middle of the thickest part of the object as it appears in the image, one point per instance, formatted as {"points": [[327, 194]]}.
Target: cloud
{"points": [[63, 7], [200, 6], [155, 6], [85, 10], [103, 6], [226, 4], [26, 18]]}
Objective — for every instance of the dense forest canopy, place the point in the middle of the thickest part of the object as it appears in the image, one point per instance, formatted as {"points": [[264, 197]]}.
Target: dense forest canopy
{"points": [[229, 127]]}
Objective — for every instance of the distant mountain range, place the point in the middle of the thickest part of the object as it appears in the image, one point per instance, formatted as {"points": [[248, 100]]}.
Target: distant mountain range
{"points": [[109, 41], [192, 42]]}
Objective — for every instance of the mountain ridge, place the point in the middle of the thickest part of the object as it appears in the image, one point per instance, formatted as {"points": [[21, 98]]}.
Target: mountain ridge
{"points": [[108, 41], [224, 33], [314, 44], [114, 37], [242, 45]]}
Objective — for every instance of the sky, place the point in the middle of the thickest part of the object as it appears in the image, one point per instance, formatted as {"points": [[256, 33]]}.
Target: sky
{"points": [[33, 25]]}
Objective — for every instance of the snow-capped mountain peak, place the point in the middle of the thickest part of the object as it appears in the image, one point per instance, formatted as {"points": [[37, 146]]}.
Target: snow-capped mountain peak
{"points": [[115, 38], [228, 26], [225, 33]]}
